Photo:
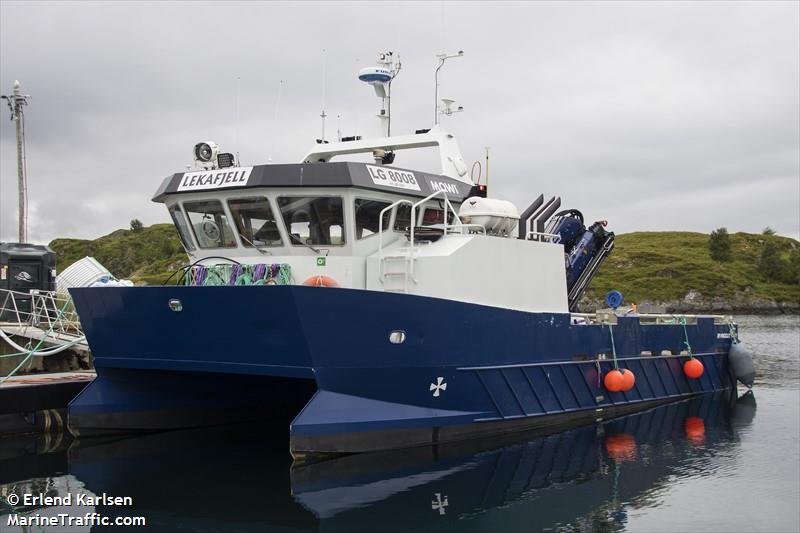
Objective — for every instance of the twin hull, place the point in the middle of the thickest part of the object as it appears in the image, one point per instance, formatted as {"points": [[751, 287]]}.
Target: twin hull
{"points": [[170, 357]]}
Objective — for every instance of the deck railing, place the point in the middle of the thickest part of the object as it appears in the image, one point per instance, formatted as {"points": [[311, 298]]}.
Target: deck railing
{"points": [[44, 310], [456, 227], [609, 316]]}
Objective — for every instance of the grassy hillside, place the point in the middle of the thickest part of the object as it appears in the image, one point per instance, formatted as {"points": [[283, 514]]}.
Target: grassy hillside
{"points": [[145, 256], [665, 266], [645, 266]]}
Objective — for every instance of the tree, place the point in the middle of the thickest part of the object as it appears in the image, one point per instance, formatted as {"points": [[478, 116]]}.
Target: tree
{"points": [[794, 267], [719, 245], [767, 231], [771, 264], [136, 225]]}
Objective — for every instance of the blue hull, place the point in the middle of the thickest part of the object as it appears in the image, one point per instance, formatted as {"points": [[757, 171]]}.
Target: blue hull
{"points": [[253, 351]]}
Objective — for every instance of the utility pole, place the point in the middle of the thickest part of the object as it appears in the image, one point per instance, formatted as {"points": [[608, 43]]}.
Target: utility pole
{"points": [[15, 103]]}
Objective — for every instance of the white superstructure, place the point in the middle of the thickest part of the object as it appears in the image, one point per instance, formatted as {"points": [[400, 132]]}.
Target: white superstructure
{"points": [[375, 226]]}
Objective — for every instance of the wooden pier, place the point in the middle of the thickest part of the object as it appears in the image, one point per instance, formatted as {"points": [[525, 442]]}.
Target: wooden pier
{"points": [[37, 403]]}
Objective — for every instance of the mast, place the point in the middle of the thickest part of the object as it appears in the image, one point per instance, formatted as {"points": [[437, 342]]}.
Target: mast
{"points": [[15, 103], [380, 77], [442, 58], [324, 82]]}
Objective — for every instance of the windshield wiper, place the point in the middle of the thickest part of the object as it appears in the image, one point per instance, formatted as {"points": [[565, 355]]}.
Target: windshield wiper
{"points": [[300, 241], [251, 243]]}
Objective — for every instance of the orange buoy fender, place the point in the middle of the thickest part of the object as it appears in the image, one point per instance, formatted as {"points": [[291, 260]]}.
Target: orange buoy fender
{"points": [[321, 281], [613, 381], [628, 380], [693, 368], [695, 429], [621, 447]]}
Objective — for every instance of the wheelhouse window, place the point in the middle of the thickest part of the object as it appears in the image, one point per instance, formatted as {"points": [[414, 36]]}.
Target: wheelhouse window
{"points": [[210, 224], [254, 219], [367, 214], [402, 220], [183, 228], [315, 220], [430, 216], [435, 215]]}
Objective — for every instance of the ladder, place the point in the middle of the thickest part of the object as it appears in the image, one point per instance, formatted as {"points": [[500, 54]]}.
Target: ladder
{"points": [[397, 271]]}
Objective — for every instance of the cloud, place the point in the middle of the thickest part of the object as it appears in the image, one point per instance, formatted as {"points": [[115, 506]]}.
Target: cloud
{"points": [[655, 116]]}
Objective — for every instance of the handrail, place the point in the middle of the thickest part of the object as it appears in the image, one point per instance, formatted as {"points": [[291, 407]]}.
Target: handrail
{"points": [[380, 220], [658, 317], [461, 226], [554, 238], [446, 205], [592, 361]]}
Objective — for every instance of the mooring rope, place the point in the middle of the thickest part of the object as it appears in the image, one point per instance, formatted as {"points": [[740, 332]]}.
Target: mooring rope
{"points": [[682, 321], [35, 350], [733, 333], [41, 353], [613, 347]]}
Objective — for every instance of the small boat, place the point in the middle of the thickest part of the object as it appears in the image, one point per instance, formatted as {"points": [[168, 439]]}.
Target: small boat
{"points": [[379, 307]]}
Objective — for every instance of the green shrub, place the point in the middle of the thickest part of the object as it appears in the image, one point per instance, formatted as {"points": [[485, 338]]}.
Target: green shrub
{"points": [[719, 245], [770, 264]]}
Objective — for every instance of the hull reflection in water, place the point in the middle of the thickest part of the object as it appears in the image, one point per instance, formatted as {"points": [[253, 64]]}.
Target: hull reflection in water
{"points": [[585, 472], [239, 478]]}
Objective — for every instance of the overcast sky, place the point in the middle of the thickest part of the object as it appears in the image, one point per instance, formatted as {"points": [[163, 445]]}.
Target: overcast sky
{"points": [[655, 116]]}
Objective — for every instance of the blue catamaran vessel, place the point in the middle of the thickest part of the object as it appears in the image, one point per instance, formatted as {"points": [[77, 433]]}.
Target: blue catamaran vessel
{"points": [[379, 307]]}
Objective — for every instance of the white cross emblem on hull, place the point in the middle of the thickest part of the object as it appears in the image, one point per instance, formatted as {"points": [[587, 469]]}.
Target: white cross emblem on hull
{"points": [[439, 504], [440, 385]]}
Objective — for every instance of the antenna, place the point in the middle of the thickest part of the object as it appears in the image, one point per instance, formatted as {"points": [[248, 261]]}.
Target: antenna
{"points": [[447, 109], [395, 72], [275, 118], [442, 36], [323, 115], [358, 63], [238, 114], [487, 169], [442, 59]]}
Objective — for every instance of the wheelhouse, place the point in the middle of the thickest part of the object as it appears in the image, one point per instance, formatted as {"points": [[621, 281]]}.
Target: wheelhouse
{"points": [[254, 222], [315, 218]]}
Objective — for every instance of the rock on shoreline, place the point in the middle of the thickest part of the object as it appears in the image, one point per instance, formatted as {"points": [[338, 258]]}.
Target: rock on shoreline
{"points": [[696, 303]]}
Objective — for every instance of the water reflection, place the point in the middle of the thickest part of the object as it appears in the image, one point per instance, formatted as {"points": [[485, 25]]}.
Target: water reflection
{"points": [[579, 479], [240, 479], [775, 341]]}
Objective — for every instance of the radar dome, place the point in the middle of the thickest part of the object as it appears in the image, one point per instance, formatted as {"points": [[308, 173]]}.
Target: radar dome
{"points": [[375, 75]]}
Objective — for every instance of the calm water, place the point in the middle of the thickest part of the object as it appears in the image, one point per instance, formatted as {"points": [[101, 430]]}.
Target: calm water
{"points": [[710, 464]]}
